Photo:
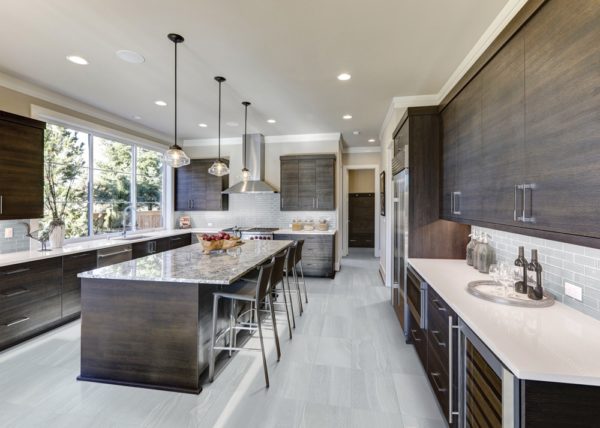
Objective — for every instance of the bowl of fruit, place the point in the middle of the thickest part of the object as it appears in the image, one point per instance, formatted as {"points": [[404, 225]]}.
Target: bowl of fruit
{"points": [[217, 241]]}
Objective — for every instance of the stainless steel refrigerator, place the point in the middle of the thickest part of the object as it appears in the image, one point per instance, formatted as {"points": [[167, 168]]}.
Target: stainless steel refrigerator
{"points": [[400, 263]]}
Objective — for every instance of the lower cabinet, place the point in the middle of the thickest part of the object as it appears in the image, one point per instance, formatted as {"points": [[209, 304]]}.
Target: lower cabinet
{"points": [[142, 249], [71, 285], [318, 253], [179, 241]]}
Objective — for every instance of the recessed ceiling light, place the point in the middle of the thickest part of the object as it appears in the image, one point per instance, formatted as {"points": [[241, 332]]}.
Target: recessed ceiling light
{"points": [[160, 103], [344, 76], [232, 124], [347, 116], [130, 56], [372, 140], [136, 117], [271, 121], [356, 132], [77, 60], [202, 125]]}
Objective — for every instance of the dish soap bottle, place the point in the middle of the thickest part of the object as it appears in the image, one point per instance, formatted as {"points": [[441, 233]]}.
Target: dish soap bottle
{"points": [[471, 250], [535, 292], [521, 261], [486, 254]]}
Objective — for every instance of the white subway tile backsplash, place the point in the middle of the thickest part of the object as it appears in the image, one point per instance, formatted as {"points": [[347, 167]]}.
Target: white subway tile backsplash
{"points": [[560, 262]]}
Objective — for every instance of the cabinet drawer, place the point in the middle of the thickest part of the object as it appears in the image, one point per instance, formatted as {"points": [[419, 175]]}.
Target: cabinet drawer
{"points": [[28, 282], [437, 374], [180, 241], [317, 267], [20, 321], [417, 337], [74, 264]]}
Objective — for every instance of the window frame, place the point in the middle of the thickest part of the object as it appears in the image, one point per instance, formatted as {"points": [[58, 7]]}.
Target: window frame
{"points": [[93, 130]]}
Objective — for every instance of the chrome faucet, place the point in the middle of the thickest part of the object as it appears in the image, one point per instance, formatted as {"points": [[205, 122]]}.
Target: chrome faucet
{"points": [[126, 213]]}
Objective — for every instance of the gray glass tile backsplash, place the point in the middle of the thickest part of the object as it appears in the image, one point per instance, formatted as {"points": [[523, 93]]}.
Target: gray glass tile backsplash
{"points": [[19, 242], [560, 262]]}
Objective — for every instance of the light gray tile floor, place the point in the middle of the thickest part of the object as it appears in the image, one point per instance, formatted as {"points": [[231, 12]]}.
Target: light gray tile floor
{"points": [[346, 366]]}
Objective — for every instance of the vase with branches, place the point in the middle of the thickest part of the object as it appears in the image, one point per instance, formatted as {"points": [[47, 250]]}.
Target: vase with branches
{"points": [[64, 163]]}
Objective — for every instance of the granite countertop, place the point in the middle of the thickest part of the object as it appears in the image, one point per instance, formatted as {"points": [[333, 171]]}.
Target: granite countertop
{"points": [[553, 344], [91, 245], [190, 265], [305, 232]]}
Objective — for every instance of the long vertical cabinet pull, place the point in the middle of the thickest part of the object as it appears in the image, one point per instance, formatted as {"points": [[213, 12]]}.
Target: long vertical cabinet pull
{"points": [[515, 215], [454, 204], [531, 188], [1, 204], [451, 411]]}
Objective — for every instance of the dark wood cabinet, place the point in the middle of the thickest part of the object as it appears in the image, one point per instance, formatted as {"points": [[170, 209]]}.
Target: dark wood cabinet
{"points": [[318, 253], [71, 285], [179, 241], [197, 190], [533, 110], [21, 167], [308, 183], [361, 220], [142, 249]]}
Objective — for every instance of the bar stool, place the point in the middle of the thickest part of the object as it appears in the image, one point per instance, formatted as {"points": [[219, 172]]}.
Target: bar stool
{"points": [[299, 263], [255, 294], [290, 269]]}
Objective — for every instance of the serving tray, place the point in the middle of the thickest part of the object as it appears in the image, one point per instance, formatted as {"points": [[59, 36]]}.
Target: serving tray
{"points": [[495, 292]]}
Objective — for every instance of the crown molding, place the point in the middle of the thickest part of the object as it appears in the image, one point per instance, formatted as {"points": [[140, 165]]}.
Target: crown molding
{"points": [[33, 90], [375, 149], [273, 139], [415, 101]]}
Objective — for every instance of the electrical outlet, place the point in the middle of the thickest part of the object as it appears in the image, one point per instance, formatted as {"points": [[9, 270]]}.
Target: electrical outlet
{"points": [[209, 224], [8, 232], [573, 291]]}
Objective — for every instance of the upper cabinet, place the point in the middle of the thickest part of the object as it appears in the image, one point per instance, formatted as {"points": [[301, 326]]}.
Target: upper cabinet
{"points": [[308, 183], [521, 141], [197, 190], [21, 167]]}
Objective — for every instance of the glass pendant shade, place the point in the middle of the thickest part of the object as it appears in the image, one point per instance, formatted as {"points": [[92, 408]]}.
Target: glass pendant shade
{"points": [[176, 157], [245, 174], [218, 168]]}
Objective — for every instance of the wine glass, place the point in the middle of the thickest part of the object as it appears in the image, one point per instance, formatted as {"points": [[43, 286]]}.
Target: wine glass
{"points": [[494, 272], [506, 276]]}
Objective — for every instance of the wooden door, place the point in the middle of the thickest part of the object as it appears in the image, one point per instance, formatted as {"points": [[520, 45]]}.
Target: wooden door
{"points": [[21, 169], [562, 117], [450, 159], [361, 218], [325, 184], [467, 202], [503, 133], [289, 185], [307, 180]]}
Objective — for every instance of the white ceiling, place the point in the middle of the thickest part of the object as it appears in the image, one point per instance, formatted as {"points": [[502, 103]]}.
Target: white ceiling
{"points": [[283, 56]]}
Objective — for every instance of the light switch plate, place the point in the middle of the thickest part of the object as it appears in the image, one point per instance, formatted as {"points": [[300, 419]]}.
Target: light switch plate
{"points": [[209, 224], [8, 232], [573, 291]]}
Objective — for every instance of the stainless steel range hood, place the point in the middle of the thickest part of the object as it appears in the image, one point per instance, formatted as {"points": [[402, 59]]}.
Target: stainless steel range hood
{"points": [[255, 162]]}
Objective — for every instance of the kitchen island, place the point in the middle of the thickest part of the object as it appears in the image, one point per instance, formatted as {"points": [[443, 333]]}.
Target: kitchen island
{"points": [[147, 322]]}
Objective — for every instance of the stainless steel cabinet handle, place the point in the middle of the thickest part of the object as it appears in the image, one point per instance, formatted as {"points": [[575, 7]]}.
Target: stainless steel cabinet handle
{"points": [[1, 204], [434, 377], [16, 271], [435, 334], [17, 321], [437, 305], [515, 217], [455, 197], [15, 292], [78, 256], [116, 253], [414, 336], [531, 188], [313, 203], [451, 328], [176, 239]]}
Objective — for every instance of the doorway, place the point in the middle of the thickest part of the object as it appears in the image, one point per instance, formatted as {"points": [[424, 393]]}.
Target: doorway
{"points": [[361, 208]]}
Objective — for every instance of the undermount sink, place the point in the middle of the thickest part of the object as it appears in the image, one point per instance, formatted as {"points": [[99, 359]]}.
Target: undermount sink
{"points": [[130, 238], [495, 292]]}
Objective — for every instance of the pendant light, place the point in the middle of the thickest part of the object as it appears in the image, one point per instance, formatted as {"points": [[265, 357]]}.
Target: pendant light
{"points": [[219, 168], [175, 156], [245, 171]]}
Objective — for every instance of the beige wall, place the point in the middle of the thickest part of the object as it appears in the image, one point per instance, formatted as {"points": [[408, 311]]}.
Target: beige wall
{"points": [[20, 103], [362, 158], [361, 181]]}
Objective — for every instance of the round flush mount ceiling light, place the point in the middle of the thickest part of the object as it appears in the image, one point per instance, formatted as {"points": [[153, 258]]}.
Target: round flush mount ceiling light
{"points": [[344, 76], [271, 121], [136, 117], [371, 140], [347, 116], [356, 132], [75, 59], [202, 125], [160, 103], [131, 57], [232, 124]]}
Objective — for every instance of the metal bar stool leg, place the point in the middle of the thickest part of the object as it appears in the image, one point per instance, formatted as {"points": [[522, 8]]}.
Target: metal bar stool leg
{"points": [[232, 323], [287, 311], [213, 335], [270, 299], [262, 347], [297, 282], [303, 282], [287, 280]]}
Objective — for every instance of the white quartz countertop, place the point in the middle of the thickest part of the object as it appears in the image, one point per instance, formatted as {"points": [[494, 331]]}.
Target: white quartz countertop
{"points": [[91, 245], [190, 265], [554, 344], [304, 232]]}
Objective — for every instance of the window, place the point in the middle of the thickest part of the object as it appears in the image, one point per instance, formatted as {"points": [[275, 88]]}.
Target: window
{"points": [[122, 176]]}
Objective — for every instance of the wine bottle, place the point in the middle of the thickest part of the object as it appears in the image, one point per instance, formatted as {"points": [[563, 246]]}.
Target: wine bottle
{"points": [[537, 292], [521, 261]]}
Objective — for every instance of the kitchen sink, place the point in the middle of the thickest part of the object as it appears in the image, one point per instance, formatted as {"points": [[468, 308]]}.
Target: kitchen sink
{"points": [[130, 238], [495, 292]]}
